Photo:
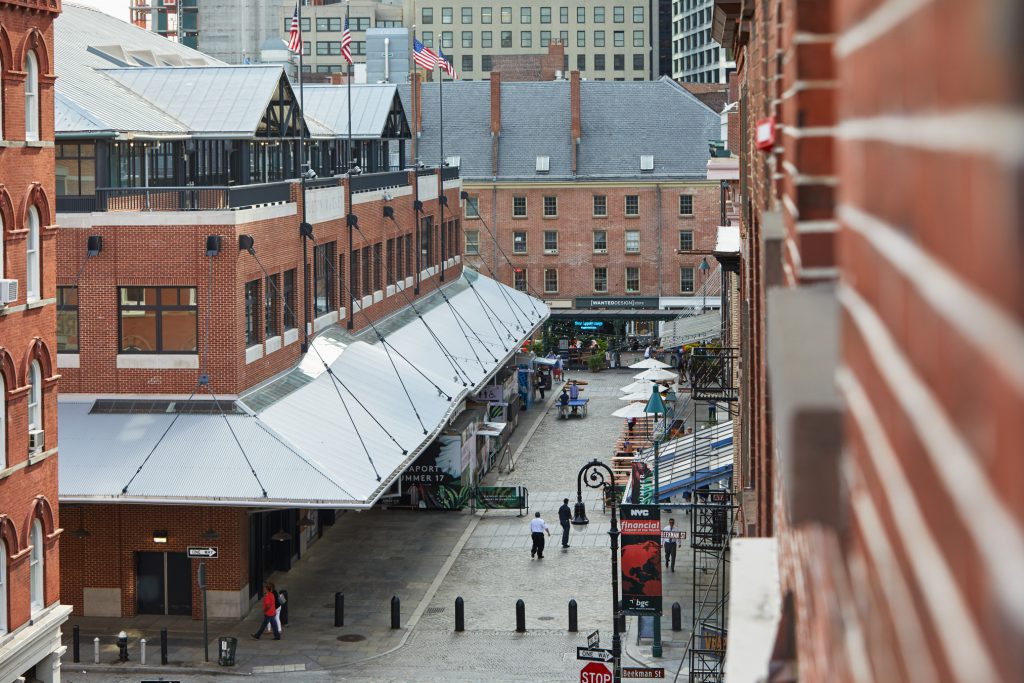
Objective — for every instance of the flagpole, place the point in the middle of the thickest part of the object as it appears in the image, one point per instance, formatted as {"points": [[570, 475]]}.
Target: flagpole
{"points": [[348, 183], [440, 172], [303, 230]]}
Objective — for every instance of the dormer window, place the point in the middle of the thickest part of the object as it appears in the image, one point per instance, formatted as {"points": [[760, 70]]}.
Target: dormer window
{"points": [[543, 164], [646, 163]]}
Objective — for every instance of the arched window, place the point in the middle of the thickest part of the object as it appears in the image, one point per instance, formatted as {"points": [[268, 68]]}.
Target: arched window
{"points": [[3, 586], [35, 400], [1, 215], [31, 96], [32, 270], [36, 568], [3, 422]]}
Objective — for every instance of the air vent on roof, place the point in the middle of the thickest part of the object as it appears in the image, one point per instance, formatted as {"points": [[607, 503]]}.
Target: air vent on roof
{"points": [[647, 162], [543, 164], [453, 161]]}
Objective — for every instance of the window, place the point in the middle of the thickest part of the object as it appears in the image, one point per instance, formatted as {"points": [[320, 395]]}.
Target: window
{"points": [[506, 38], [686, 279], [31, 96], [331, 24], [563, 15], [638, 14], [467, 15], [600, 205], [619, 38], [519, 243], [620, 63], [599, 63], [3, 465], [76, 169], [428, 15], [519, 207], [446, 15], [467, 40], [486, 61], [36, 599], [323, 284], [601, 279], [598, 39], [359, 47], [252, 312], [638, 62], [525, 15], [599, 15], [428, 38], [686, 205], [581, 62], [472, 207], [67, 320], [632, 279], [472, 241], [447, 40], [32, 267], [619, 14], [525, 39], [550, 241], [563, 38], [306, 51], [467, 62], [550, 206], [685, 240], [581, 39], [632, 205], [328, 47], [581, 15], [289, 299], [506, 15], [366, 272], [601, 241], [359, 23], [486, 15], [270, 306], [306, 22], [638, 38], [35, 399], [519, 279], [632, 241], [3, 566], [378, 261], [158, 319], [389, 23], [486, 39], [550, 280], [545, 15], [545, 38], [326, 68]]}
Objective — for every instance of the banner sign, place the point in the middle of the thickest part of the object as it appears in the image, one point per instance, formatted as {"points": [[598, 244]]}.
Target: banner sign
{"points": [[501, 497], [641, 559], [619, 303]]}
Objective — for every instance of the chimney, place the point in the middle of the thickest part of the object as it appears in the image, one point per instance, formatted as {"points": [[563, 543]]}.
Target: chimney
{"points": [[574, 104], [495, 119]]}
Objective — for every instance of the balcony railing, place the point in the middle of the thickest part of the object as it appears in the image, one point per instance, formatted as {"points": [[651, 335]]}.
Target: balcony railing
{"points": [[710, 370], [450, 173], [190, 198], [76, 204]]}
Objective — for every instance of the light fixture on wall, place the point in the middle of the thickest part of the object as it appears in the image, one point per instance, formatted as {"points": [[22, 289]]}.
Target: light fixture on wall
{"points": [[209, 535], [160, 536], [281, 535], [81, 531], [306, 522]]}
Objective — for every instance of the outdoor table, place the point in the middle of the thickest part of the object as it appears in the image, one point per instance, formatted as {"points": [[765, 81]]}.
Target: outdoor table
{"points": [[580, 404]]}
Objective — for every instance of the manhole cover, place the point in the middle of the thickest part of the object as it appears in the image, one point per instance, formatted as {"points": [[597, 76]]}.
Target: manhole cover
{"points": [[546, 618], [351, 638], [435, 610]]}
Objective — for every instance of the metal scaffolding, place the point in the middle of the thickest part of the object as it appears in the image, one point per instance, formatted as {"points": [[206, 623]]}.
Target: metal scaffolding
{"points": [[712, 521]]}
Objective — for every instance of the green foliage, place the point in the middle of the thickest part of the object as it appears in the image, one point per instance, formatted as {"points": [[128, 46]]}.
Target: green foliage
{"points": [[595, 363]]}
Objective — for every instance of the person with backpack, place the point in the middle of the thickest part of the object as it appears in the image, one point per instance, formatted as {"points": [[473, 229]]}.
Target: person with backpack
{"points": [[270, 608]]}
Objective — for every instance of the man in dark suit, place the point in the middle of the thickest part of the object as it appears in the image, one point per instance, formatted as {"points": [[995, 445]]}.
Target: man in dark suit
{"points": [[564, 517]]}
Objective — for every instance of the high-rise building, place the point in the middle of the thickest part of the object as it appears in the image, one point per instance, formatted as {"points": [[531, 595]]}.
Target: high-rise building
{"points": [[696, 57]]}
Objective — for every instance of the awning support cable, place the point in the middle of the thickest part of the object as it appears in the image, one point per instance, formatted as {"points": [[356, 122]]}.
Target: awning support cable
{"points": [[496, 243], [492, 316], [156, 445], [463, 326], [237, 442]]}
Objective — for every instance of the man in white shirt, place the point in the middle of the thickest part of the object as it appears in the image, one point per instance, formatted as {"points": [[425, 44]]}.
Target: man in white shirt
{"points": [[669, 541], [537, 529]]}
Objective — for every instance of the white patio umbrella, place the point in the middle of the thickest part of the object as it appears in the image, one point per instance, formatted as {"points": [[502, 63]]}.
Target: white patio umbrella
{"points": [[632, 410], [638, 386], [656, 375], [650, 364], [636, 396]]}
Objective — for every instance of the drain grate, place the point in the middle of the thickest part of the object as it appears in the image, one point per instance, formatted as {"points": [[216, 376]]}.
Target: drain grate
{"points": [[435, 610], [351, 638]]}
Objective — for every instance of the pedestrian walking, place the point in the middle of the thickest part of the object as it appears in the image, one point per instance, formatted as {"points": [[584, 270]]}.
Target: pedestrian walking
{"points": [[279, 602], [564, 516], [538, 527], [670, 543], [269, 612]]}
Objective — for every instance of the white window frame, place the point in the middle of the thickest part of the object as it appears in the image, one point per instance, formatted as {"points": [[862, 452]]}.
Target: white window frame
{"points": [[626, 283], [547, 249], [635, 250], [472, 207], [32, 265], [31, 97], [515, 244], [605, 269], [3, 422], [3, 587], [547, 290], [475, 242], [35, 396], [597, 249], [37, 598]]}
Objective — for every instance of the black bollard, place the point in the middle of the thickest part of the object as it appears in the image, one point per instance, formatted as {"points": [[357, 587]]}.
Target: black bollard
{"points": [[163, 646], [284, 607], [339, 609], [573, 626], [520, 616], [460, 614], [122, 647], [75, 644], [396, 612], [677, 617]]}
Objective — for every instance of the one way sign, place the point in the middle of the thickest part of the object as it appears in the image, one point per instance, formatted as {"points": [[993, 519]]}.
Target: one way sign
{"points": [[202, 553], [593, 654]]}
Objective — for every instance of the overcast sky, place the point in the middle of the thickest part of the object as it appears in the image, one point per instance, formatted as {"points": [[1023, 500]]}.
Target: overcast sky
{"points": [[116, 8]]}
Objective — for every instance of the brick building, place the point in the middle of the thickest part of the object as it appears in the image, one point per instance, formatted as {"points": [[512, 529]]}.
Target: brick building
{"points": [[881, 308], [593, 190], [30, 532], [228, 383], [534, 67]]}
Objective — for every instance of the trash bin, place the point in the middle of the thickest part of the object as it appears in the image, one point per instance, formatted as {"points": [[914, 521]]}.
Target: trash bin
{"points": [[226, 651]]}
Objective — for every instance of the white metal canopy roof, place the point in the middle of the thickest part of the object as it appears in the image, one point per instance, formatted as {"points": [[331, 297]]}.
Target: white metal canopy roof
{"points": [[299, 444]]}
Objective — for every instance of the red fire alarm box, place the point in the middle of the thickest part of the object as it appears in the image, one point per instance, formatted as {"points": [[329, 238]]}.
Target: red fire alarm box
{"points": [[765, 133]]}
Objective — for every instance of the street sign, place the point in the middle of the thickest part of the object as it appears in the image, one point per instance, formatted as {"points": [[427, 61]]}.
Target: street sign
{"points": [[641, 672], [594, 640], [595, 673], [202, 553], [594, 654]]}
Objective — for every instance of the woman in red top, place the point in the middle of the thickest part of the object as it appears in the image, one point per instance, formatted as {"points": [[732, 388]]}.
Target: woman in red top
{"points": [[269, 611]]}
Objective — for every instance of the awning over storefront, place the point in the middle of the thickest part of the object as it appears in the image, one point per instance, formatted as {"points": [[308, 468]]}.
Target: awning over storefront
{"points": [[691, 329], [311, 438], [692, 461]]}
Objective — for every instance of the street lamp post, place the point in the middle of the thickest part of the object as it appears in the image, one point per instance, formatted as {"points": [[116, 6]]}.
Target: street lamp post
{"points": [[704, 268], [656, 407], [592, 475]]}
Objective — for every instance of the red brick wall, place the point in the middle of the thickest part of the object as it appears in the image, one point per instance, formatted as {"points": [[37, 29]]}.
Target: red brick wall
{"points": [[28, 490], [658, 259]]}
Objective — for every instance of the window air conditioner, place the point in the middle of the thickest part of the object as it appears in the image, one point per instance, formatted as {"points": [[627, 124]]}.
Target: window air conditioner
{"points": [[35, 440], [8, 291], [600, 251], [550, 251]]}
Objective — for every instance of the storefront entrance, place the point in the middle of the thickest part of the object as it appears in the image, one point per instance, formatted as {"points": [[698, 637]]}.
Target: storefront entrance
{"points": [[163, 583]]}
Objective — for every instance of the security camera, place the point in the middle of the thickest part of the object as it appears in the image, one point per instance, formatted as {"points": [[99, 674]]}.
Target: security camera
{"points": [[309, 174], [387, 196]]}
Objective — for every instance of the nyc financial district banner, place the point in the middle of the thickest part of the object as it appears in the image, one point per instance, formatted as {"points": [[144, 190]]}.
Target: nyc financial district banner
{"points": [[641, 559]]}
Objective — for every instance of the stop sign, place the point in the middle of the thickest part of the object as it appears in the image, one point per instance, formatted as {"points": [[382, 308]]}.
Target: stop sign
{"points": [[595, 672]]}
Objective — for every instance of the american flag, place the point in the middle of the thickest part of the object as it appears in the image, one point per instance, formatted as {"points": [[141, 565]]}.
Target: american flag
{"points": [[346, 43], [424, 56], [446, 65], [295, 37]]}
